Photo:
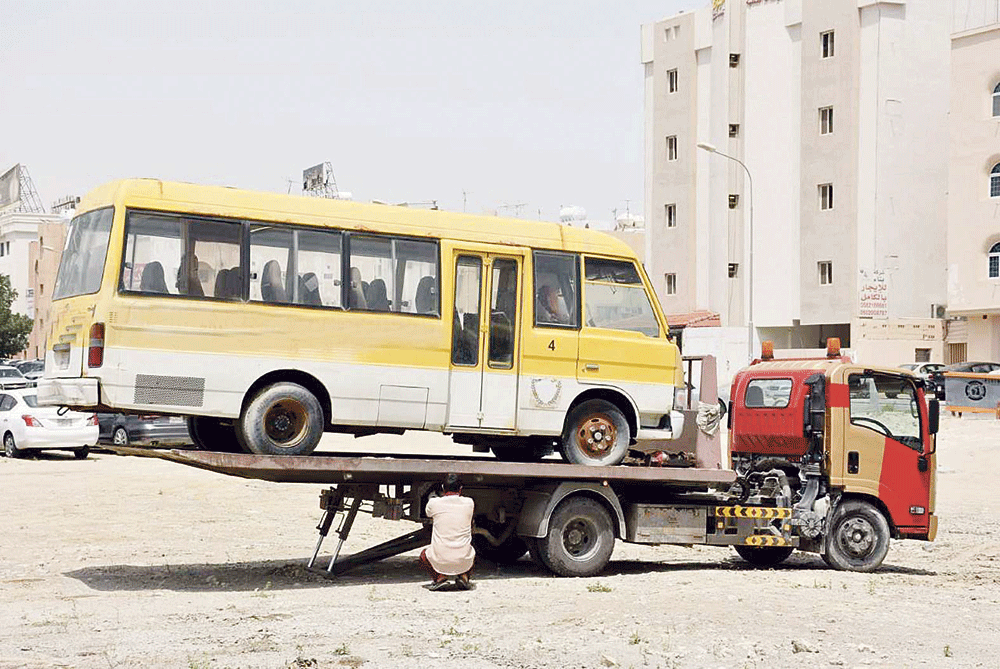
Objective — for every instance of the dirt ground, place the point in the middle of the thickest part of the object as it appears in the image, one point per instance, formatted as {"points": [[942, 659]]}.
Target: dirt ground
{"points": [[133, 562]]}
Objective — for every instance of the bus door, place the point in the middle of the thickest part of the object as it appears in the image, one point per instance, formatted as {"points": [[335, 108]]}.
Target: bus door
{"points": [[485, 341]]}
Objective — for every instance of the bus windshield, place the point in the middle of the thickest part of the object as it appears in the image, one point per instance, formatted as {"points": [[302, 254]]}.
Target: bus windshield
{"points": [[82, 265]]}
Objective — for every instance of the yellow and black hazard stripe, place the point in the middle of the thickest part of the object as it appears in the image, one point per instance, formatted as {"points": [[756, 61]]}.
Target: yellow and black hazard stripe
{"points": [[752, 512], [766, 540]]}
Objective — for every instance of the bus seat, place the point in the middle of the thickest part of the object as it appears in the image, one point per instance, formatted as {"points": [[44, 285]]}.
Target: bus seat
{"points": [[221, 279], [271, 289], [234, 283], [378, 300], [153, 280], [309, 289], [426, 299], [356, 292]]}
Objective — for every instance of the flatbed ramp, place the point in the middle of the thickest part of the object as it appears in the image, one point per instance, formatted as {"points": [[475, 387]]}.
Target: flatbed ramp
{"points": [[356, 468]]}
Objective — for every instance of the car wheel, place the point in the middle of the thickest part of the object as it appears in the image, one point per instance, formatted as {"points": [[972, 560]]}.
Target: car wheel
{"points": [[120, 436], [81, 453], [10, 448], [596, 434], [283, 419]]}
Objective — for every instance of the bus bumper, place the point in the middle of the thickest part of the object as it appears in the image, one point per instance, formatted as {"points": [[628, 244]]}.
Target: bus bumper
{"points": [[68, 392]]}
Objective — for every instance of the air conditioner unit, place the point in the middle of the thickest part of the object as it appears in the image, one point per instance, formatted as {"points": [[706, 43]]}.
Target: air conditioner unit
{"points": [[939, 311]]}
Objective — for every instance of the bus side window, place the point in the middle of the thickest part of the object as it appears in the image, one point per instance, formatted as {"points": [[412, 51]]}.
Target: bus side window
{"points": [[557, 283], [402, 274]]}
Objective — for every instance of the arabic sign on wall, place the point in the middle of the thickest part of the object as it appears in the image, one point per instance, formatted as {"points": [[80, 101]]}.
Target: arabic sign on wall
{"points": [[873, 294], [10, 187], [718, 8]]}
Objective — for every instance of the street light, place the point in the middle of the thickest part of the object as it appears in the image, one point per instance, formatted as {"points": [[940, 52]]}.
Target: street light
{"points": [[710, 148]]}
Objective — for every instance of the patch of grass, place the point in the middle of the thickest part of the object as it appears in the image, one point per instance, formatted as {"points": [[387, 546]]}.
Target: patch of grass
{"points": [[635, 639], [871, 587], [947, 650], [342, 649], [599, 587]]}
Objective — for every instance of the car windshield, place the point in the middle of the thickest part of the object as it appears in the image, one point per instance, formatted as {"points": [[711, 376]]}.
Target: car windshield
{"points": [[30, 400], [10, 372], [82, 265], [31, 367]]}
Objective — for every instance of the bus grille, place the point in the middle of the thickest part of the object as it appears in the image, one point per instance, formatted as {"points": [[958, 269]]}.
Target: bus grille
{"points": [[186, 391]]}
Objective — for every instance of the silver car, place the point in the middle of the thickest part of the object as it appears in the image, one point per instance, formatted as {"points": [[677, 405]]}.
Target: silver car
{"points": [[11, 379]]}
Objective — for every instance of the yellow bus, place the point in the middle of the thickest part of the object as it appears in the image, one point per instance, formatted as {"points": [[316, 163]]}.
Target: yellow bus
{"points": [[267, 319]]}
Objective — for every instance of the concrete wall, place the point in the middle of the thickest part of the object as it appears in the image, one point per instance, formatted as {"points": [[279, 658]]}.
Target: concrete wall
{"points": [[893, 342]]}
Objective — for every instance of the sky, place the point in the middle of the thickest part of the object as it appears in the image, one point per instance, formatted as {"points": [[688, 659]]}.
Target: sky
{"points": [[512, 102]]}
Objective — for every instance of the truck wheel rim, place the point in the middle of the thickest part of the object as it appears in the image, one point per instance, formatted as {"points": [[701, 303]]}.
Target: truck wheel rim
{"points": [[596, 436], [580, 539], [285, 422], [857, 537]]}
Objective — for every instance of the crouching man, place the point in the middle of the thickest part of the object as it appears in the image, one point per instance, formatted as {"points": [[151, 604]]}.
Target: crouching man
{"points": [[450, 554]]}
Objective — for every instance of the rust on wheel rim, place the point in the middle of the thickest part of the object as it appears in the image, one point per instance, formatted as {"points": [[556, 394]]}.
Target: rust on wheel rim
{"points": [[596, 436], [285, 422]]}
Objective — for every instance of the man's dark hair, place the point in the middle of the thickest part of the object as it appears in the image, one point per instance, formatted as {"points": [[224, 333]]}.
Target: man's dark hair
{"points": [[452, 483]]}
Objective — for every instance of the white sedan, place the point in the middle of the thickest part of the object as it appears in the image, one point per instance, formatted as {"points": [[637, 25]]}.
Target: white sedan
{"points": [[27, 426]]}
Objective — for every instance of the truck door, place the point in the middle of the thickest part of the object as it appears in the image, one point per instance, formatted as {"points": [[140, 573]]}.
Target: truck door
{"points": [[885, 436], [484, 344]]}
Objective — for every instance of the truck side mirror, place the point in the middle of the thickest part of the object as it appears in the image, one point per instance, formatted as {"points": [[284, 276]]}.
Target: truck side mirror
{"points": [[933, 416]]}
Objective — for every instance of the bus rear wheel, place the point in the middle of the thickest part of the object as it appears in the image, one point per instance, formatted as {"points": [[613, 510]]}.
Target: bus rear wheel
{"points": [[282, 419]]}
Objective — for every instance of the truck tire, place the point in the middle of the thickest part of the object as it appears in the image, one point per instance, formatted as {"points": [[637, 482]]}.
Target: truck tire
{"points": [[535, 551], [858, 539], [580, 538], [596, 434], [282, 419], [764, 556], [509, 552], [213, 434]]}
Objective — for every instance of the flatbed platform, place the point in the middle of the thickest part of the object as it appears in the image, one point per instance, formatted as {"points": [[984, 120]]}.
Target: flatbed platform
{"points": [[355, 468]]}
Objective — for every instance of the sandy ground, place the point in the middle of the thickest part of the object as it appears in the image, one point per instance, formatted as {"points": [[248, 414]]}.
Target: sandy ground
{"points": [[132, 562]]}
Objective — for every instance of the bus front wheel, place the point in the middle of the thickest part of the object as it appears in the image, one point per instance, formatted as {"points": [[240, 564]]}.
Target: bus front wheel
{"points": [[596, 433], [282, 419]]}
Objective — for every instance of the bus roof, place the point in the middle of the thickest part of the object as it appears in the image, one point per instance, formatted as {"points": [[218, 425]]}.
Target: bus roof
{"points": [[276, 207]]}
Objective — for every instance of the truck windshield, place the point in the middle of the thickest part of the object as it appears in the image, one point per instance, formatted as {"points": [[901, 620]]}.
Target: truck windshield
{"points": [[82, 265], [886, 404]]}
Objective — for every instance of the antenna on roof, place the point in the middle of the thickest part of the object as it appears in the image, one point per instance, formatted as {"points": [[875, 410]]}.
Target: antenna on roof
{"points": [[318, 181]]}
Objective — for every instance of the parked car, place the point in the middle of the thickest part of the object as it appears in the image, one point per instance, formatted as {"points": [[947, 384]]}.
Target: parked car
{"points": [[150, 430], [27, 426], [32, 370], [936, 380], [11, 379], [922, 369]]}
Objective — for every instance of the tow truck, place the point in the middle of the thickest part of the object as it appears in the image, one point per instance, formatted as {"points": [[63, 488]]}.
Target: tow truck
{"points": [[825, 456]]}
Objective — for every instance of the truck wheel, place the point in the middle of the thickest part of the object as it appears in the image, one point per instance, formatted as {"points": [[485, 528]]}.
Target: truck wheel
{"points": [[858, 539], [580, 538], [213, 434], [535, 551], [764, 556], [283, 419], [596, 434], [10, 448]]}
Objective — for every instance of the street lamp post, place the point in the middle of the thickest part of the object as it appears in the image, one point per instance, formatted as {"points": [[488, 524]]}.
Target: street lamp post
{"points": [[710, 148]]}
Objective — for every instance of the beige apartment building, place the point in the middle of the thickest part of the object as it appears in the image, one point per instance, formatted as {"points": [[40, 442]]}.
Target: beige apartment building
{"points": [[974, 194], [43, 262], [838, 110]]}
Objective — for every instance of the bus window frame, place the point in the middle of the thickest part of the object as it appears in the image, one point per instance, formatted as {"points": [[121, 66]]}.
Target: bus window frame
{"points": [[245, 242], [577, 257]]}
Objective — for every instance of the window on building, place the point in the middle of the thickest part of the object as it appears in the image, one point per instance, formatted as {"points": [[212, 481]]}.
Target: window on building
{"points": [[826, 44], [994, 261], [670, 281], [671, 33], [670, 215], [734, 60], [2, 250], [734, 270], [826, 121], [734, 200], [825, 196], [996, 101], [672, 147], [672, 81], [995, 181], [734, 130], [921, 355], [825, 272]]}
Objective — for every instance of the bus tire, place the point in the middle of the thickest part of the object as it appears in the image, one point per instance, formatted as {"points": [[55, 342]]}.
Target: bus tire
{"points": [[596, 434], [214, 434], [858, 539], [764, 556], [282, 419], [580, 539]]}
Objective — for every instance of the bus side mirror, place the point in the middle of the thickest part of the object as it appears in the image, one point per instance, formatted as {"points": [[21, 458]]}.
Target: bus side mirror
{"points": [[933, 416]]}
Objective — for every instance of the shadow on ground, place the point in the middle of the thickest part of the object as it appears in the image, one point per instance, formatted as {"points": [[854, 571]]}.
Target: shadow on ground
{"points": [[289, 574]]}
